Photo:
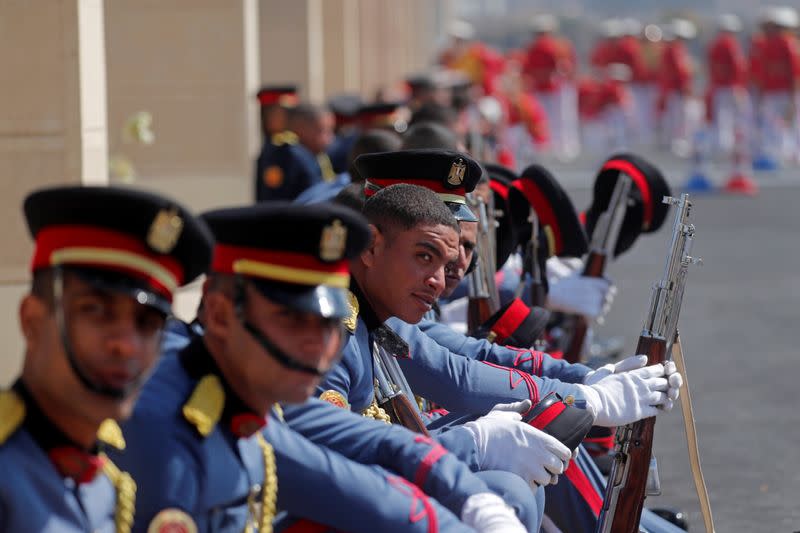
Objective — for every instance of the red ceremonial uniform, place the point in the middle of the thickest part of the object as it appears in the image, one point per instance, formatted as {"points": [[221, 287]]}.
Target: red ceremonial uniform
{"points": [[603, 53], [629, 52], [526, 109], [781, 63], [726, 61], [756, 60], [549, 61]]}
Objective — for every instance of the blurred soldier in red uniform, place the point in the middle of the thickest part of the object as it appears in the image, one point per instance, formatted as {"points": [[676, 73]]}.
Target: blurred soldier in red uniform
{"points": [[527, 133], [781, 68], [675, 87], [642, 88], [604, 49], [550, 67], [728, 108], [480, 63]]}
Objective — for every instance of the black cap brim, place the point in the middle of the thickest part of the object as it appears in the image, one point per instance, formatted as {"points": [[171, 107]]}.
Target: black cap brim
{"points": [[462, 212], [107, 280], [322, 300]]}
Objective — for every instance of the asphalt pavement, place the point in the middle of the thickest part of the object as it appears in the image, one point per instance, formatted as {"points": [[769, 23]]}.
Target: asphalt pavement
{"points": [[739, 324]]}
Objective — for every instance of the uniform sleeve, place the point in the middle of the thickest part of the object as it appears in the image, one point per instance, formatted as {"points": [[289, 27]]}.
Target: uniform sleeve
{"points": [[418, 459], [166, 471], [464, 385], [530, 361], [322, 486]]}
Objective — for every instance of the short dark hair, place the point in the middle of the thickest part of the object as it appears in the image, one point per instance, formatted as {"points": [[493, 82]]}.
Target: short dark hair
{"points": [[405, 206], [370, 142], [433, 112], [429, 135], [351, 196], [305, 113]]}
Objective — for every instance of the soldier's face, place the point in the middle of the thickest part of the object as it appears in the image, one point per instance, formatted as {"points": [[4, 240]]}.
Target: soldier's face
{"points": [[306, 337], [405, 270], [114, 339], [456, 271]]}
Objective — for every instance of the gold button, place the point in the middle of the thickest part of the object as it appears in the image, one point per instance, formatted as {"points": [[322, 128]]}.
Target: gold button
{"points": [[569, 400]]}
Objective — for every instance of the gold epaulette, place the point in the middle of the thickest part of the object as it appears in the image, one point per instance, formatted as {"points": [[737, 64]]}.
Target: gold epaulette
{"points": [[284, 137], [110, 433], [205, 405], [12, 413], [350, 320]]}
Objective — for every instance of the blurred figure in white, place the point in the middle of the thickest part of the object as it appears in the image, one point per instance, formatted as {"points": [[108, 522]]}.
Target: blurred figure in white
{"points": [[728, 107], [678, 111], [550, 67], [779, 88]]}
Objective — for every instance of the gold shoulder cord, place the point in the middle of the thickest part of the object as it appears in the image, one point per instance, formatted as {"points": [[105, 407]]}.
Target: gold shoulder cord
{"points": [[269, 494], [125, 487]]}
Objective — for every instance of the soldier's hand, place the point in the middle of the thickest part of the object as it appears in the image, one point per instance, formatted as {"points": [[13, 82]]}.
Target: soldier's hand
{"points": [[620, 399], [582, 295], [506, 443], [626, 365], [486, 512]]}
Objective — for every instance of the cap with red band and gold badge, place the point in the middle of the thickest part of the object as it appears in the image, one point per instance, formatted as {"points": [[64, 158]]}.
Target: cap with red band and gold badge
{"points": [[449, 174], [645, 212], [282, 95], [296, 255], [119, 239], [538, 188]]}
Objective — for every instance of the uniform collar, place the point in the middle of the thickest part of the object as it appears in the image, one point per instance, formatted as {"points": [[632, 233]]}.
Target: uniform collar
{"points": [[236, 416], [365, 311], [70, 459]]}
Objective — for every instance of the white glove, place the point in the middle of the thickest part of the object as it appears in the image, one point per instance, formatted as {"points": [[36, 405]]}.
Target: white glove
{"points": [[630, 363], [561, 267], [582, 295], [619, 399], [506, 443], [486, 512]]}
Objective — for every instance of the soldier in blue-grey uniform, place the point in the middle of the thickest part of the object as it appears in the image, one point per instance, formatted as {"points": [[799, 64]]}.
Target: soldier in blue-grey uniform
{"points": [[105, 265], [209, 450], [574, 502]]}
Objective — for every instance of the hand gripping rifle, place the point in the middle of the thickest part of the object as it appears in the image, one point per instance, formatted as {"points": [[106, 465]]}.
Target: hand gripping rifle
{"points": [[484, 300], [627, 482], [604, 239], [392, 392]]}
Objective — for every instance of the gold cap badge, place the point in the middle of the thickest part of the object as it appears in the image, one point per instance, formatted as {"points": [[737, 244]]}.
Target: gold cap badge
{"points": [[333, 241], [165, 230], [457, 171]]}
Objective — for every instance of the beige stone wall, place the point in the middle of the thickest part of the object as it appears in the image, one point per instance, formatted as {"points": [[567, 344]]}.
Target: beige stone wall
{"points": [[75, 70], [52, 127]]}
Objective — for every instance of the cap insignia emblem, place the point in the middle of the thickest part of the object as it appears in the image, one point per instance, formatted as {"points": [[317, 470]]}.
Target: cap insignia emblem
{"points": [[333, 241], [165, 230], [457, 171]]}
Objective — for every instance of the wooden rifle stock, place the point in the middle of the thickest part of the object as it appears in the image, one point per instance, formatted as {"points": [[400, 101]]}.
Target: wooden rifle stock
{"points": [[627, 482], [478, 312], [400, 410], [595, 266]]}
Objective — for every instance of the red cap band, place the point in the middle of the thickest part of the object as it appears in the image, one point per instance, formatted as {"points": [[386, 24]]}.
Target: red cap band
{"points": [[640, 181], [93, 247], [544, 210], [508, 323]]}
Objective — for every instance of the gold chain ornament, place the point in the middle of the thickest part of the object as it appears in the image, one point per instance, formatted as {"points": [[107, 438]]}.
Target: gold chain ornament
{"points": [[269, 493], [125, 487]]}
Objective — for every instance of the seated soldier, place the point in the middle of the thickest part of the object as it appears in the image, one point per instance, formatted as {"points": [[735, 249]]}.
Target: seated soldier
{"points": [[105, 265], [207, 446]]}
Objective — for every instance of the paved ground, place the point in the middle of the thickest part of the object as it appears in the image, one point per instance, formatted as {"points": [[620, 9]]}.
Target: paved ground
{"points": [[739, 322]]}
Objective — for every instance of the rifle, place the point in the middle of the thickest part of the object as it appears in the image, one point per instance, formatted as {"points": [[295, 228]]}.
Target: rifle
{"points": [[531, 267], [484, 300], [628, 480], [604, 239], [392, 392]]}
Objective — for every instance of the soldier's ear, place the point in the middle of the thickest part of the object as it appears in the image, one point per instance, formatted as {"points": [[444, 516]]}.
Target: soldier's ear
{"points": [[376, 245], [219, 314], [32, 312]]}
